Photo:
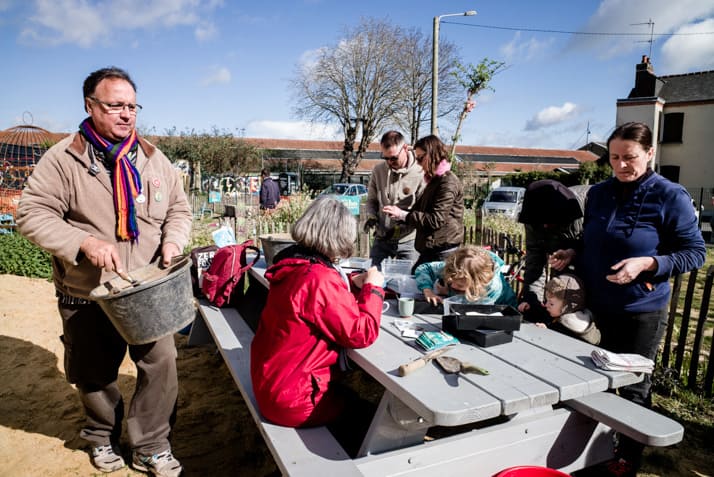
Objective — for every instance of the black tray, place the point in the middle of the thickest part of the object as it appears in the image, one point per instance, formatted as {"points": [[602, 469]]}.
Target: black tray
{"points": [[460, 321]]}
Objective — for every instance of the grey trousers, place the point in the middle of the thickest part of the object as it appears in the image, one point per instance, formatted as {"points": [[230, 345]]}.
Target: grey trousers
{"points": [[94, 351]]}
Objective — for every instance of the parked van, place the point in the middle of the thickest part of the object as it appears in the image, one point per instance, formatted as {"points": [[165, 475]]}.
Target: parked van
{"points": [[506, 201]]}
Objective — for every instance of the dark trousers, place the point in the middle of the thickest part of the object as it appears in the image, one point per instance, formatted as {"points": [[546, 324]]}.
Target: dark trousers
{"points": [[434, 255], [639, 333], [94, 351]]}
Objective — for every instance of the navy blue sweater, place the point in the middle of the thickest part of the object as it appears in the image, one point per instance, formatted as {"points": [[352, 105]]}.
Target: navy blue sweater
{"points": [[655, 218]]}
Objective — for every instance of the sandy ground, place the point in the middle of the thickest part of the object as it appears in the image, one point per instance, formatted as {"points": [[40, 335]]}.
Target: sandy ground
{"points": [[40, 413]]}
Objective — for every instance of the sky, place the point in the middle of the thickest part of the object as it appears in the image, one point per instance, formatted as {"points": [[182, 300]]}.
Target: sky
{"points": [[218, 64]]}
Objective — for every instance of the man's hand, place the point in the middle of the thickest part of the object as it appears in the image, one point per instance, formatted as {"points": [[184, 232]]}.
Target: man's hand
{"points": [[370, 223], [168, 251], [560, 259], [102, 254]]}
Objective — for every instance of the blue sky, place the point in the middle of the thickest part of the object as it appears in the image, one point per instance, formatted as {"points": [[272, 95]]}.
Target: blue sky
{"points": [[200, 64]]}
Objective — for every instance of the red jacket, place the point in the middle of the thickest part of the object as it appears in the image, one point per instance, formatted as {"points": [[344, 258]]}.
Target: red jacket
{"points": [[309, 316]]}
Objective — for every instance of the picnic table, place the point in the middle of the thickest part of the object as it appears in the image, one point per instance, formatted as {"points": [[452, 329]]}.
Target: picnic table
{"points": [[543, 402]]}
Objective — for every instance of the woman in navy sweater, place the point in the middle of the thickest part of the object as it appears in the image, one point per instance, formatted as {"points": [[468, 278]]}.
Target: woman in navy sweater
{"points": [[639, 230]]}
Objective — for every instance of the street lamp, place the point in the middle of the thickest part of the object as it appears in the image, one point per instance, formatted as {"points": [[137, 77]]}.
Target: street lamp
{"points": [[435, 67]]}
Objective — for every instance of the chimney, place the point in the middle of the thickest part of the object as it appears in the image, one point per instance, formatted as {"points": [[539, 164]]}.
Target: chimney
{"points": [[645, 80]]}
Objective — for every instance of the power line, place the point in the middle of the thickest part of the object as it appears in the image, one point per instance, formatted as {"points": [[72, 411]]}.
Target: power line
{"points": [[588, 33]]}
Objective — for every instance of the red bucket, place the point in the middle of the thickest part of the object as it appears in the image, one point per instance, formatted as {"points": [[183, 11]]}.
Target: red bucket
{"points": [[530, 471]]}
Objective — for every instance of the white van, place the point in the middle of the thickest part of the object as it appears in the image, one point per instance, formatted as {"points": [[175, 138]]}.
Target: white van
{"points": [[506, 201]]}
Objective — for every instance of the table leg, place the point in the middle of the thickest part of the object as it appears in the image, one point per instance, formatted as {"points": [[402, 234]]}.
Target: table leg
{"points": [[394, 426], [199, 333]]}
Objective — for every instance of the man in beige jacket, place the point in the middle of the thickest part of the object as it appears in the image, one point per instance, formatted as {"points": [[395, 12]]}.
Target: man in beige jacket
{"points": [[104, 201], [398, 181]]}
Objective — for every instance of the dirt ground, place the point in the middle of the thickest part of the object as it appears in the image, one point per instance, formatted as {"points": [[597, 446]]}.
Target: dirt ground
{"points": [[40, 413]]}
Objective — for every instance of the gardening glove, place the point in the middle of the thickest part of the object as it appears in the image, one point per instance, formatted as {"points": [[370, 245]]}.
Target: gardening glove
{"points": [[370, 223]]}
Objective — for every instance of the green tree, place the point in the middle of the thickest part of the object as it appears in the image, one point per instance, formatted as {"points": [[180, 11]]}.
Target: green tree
{"points": [[475, 79]]}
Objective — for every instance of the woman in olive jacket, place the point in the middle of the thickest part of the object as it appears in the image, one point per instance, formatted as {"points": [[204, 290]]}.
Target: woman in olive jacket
{"points": [[438, 215]]}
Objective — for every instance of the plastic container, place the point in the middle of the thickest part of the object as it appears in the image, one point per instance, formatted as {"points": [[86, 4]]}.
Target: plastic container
{"points": [[274, 243], [530, 471], [159, 305], [396, 266]]}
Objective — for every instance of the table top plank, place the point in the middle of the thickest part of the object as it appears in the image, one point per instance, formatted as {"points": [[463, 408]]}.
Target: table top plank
{"points": [[577, 351], [570, 378]]}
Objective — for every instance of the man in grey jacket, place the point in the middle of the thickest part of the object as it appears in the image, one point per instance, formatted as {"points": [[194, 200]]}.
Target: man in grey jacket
{"points": [[104, 201], [399, 180]]}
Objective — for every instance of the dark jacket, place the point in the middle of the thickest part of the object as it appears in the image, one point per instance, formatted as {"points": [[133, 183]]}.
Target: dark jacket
{"points": [[438, 214], [269, 194], [654, 219], [562, 209]]}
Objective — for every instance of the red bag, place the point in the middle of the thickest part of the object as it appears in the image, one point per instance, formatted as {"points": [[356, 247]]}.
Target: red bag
{"points": [[224, 281]]}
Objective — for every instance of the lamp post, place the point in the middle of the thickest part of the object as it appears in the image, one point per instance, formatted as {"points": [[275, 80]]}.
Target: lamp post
{"points": [[435, 67]]}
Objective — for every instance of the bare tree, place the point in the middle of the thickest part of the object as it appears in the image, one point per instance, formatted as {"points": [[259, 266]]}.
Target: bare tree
{"points": [[354, 83], [414, 64]]}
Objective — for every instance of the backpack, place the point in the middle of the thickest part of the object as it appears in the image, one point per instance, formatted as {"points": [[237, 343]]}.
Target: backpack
{"points": [[201, 258], [224, 281]]}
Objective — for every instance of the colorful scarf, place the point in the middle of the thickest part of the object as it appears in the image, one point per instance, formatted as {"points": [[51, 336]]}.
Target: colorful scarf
{"points": [[127, 181]]}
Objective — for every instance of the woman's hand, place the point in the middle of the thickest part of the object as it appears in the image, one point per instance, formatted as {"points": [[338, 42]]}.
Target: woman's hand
{"points": [[431, 297], [394, 212], [560, 259], [374, 277], [628, 269]]}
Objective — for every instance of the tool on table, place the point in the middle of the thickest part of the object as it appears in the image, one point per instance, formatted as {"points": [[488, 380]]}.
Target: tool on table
{"points": [[421, 362], [454, 365]]}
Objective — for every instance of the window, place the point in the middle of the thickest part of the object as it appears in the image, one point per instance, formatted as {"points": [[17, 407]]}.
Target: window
{"points": [[672, 128]]}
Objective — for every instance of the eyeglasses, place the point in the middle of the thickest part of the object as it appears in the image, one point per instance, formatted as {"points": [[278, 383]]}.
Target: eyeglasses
{"points": [[394, 158], [117, 108]]}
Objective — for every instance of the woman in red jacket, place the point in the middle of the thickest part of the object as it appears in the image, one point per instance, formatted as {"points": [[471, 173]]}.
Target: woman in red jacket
{"points": [[310, 317]]}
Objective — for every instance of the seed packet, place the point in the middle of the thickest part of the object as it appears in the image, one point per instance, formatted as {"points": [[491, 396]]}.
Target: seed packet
{"points": [[432, 340]]}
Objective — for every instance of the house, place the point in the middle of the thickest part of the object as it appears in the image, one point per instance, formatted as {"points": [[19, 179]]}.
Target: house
{"points": [[680, 111]]}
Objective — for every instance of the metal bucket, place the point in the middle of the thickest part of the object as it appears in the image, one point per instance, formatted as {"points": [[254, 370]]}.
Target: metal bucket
{"points": [[274, 243], [159, 305]]}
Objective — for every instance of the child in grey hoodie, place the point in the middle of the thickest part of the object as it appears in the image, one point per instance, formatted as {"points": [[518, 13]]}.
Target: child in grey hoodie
{"points": [[565, 303]]}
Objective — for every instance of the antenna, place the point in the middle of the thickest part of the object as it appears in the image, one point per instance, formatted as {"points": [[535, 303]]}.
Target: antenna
{"points": [[651, 40], [587, 134]]}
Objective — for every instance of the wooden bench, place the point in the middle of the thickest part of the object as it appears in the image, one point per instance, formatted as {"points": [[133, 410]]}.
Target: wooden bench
{"points": [[297, 452], [634, 421]]}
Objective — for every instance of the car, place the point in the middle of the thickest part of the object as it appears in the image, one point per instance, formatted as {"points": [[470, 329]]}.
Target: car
{"points": [[349, 194], [505, 201], [343, 189]]}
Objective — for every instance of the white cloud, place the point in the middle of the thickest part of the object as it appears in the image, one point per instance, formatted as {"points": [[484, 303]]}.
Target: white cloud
{"points": [[85, 23], [687, 53], [552, 115], [218, 75], [294, 130], [620, 16], [526, 50], [205, 31]]}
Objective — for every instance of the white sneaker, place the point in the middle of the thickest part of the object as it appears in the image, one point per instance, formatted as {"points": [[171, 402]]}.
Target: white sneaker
{"points": [[162, 464], [106, 459]]}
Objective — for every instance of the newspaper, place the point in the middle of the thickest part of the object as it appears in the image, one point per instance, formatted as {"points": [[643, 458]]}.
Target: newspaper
{"points": [[622, 362]]}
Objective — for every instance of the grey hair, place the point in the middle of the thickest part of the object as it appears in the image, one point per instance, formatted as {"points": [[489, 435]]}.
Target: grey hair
{"points": [[327, 227]]}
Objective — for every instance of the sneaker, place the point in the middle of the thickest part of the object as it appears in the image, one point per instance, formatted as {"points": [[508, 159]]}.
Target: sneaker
{"points": [[620, 468], [106, 459], [162, 464]]}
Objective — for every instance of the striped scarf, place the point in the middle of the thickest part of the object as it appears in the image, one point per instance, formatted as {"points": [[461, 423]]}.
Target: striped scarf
{"points": [[127, 181]]}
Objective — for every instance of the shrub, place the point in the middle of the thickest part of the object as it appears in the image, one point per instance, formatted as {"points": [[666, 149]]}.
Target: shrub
{"points": [[18, 256]]}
